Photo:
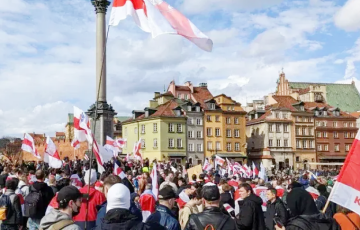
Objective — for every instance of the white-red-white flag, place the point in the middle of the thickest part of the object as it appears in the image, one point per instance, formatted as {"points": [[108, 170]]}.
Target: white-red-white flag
{"points": [[158, 17], [82, 131], [118, 171], [207, 166], [346, 191], [154, 181], [121, 142], [86, 157], [112, 146], [219, 161], [75, 144], [51, 155], [136, 151], [28, 145]]}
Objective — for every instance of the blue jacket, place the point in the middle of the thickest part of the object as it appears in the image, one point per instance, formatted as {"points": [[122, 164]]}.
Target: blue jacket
{"points": [[164, 216], [102, 211]]}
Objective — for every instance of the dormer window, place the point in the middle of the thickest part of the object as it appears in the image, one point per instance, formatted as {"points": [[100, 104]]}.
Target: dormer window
{"points": [[147, 113], [197, 108], [186, 96], [301, 108], [189, 108], [316, 113], [212, 105], [177, 113], [325, 113], [179, 95], [337, 113]]}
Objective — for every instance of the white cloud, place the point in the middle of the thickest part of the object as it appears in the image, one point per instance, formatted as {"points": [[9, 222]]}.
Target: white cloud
{"points": [[348, 16]]}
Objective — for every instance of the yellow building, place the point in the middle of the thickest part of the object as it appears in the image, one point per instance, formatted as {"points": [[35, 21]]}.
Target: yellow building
{"points": [[225, 128]]}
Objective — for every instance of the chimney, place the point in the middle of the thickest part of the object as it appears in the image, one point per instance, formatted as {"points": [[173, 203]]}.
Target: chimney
{"points": [[204, 85], [156, 94]]}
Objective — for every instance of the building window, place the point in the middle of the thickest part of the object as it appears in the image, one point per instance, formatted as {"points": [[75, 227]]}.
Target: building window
{"points": [[351, 124], [347, 147], [155, 143], [297, 159], [190, 121], [179, 128], [237, 146], [179, 143], [199, 147], [335, 124], [310, 131], [326, 147], [304, 131], [209, 145], [135, 130], [171, 143], [286, 143], [270, 142], [297, 131], [298, 145], [199, 162], [352, 135], [278, 143], [228, 120], [298, 119], [142, 129], [186, 97], [217, 118], [337, 147], [191, 147], [228, 133], [125, 131], [318, 134], [286, 130], [284, 115], [237, 133], [228, 146], [171, 128], [179, 95], [208, 118], [311, 144], [270, 128], [346, 135], [217, 132], [319, 147], [218, 145], [277, 115], [155, 127], [199, 134], [198, 121], [197, 108], [143, 144], [191, 134], [212, 105], [325, 134], [304, 144], [236, 120], [209, 132], [278, 128]]}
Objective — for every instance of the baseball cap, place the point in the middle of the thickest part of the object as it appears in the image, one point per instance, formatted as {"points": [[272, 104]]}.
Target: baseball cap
{"points": [[68, 193], [167, 193], [211, 193]]}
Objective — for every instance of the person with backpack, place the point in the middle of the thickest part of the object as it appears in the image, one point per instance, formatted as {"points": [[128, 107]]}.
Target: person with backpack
{"points": [[212, 217], [37, 201], [69, 200], [274, 208], [10, 212]]}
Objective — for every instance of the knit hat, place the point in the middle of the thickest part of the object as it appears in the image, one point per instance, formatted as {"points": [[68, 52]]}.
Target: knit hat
{"points": [[118, 197], [93, 177]]}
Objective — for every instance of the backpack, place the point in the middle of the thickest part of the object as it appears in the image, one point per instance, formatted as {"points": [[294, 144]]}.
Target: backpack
{"points": [[199, 226], [320, 222], [5, 207], [33, 203]]}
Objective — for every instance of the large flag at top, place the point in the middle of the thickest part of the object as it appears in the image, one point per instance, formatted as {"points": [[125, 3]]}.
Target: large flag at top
{"points": [[346, 191], [28, 145], [51, 155], [157, 17], [82, 131]]}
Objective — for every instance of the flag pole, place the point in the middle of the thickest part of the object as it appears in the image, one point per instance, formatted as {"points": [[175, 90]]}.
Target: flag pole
{"points": [[95, 116]]}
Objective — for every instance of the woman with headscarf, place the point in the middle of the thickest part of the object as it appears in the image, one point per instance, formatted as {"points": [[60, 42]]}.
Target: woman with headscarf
{"points": [[305, 215]]}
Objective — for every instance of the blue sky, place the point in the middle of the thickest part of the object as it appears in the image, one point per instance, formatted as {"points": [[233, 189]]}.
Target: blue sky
{"points": [[47, 54]]}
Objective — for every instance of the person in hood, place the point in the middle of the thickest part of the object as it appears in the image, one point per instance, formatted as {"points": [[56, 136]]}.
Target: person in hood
{"points": [[95, 198], [305, 215], [251, 216], [69, 199], [118, 216], [47, 194]]}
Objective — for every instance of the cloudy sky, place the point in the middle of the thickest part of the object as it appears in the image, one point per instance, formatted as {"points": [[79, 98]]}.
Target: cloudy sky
{"points": [[47, 54]]}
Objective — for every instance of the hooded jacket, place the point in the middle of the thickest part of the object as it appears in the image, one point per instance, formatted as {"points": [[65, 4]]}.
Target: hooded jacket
{"points": [[95, 198], [305, 213], [54, 217], [46, 196], [251, 216]]}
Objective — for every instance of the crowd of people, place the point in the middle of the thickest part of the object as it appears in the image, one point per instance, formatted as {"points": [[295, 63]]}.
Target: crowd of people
{"points": [[75, 197]]}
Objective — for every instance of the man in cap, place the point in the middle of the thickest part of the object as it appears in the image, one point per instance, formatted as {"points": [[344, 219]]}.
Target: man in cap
{"points": [[211, 217], [163, 214], [69, 199]]}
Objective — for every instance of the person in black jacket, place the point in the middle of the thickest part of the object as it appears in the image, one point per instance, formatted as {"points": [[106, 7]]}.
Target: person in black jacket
{"points": [[3, 177], [251, 216], [46, 196], [14, 218], [274, 208], [212, 215]]}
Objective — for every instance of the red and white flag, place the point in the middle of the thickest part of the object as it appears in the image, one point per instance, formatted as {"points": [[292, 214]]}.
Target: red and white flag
{"points": [[118, 171], [112, 146], [154, 181], [136, 151], [121, 142], [158, 17], [255, 171], [219, 161], [82, 131], [51, 155], [346, 191], [76, 181], [86, 157], [75, 144], [207, 166], [28, 145]]}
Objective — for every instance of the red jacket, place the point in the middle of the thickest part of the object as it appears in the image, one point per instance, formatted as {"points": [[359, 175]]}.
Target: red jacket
{"points": [[96, 198]]}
